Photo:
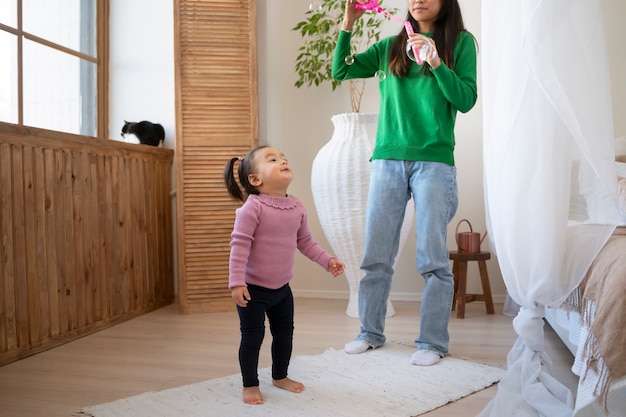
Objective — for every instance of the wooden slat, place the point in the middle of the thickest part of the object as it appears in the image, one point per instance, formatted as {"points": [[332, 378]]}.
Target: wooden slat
{"points": [[8, 323], [110, 221], [217, 113], [100, 223], [51, 245], [90, 236], [61, 187], [80, 190], [41, 289], [19, 247], [72, 233], [125, 271]]}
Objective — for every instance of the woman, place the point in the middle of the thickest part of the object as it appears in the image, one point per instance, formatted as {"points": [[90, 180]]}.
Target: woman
{"points": [[413, 156]]}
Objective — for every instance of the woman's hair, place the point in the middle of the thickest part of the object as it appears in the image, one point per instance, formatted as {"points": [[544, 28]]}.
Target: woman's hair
{"points": [[448, 25], [245, 168]]}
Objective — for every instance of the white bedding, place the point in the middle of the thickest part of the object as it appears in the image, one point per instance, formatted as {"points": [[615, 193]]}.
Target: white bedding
{"points": [[569, 327]]}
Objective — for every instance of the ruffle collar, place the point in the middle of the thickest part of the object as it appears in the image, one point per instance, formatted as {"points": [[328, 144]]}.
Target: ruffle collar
{"points": [[285, 203]]}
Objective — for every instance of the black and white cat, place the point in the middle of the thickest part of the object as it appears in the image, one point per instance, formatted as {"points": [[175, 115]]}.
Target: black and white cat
{"points": [[144, 132]]}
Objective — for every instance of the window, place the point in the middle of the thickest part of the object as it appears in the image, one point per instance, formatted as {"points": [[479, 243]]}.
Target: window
{"points": [[52, 66]]}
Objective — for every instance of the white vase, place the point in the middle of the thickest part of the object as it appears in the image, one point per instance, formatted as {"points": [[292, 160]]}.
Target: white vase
{"points": [[340, 179]]}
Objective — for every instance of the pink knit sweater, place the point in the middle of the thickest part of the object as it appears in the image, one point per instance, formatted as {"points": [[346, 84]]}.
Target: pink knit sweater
{"points": [[267, 232]]}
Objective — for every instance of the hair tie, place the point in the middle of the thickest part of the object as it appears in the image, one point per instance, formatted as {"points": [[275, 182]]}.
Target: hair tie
{"points": [[239, 158]]}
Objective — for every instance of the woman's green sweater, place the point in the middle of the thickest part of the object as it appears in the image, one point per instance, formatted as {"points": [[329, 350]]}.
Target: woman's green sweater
{"points": [[417, 112]]}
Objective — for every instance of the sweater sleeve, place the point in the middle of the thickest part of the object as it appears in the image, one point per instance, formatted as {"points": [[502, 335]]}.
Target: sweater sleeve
{"points": [[459, 85], [246, 222], [309, 247], [365, 64]]}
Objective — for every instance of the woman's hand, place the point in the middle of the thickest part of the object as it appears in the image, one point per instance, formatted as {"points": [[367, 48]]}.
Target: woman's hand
{"points": [[351, 14], [418, 41]]}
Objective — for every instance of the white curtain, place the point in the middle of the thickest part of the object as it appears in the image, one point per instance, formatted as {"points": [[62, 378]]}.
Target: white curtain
{"points": [[550, 184]]}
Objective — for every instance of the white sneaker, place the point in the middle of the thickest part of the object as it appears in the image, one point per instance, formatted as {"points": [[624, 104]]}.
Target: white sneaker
{"points": [[357, 346], [423, 357]]}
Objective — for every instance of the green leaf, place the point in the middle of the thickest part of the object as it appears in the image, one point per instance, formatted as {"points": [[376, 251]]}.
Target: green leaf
{"points": [[319, 31]]}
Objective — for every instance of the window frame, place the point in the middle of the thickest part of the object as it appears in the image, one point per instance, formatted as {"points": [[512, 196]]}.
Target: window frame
{"points": [[101, 61]]}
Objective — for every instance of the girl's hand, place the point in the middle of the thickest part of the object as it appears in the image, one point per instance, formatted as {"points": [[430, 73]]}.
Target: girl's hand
{"points": [[240, 295], [418, 41], [336, 267], [351, 14]]}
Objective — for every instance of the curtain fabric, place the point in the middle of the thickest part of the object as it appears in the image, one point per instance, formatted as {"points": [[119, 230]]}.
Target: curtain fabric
{"points": [[550, 184]]}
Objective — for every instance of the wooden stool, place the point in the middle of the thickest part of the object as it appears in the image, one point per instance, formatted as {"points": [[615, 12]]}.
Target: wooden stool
{"points": [[459, 269]]}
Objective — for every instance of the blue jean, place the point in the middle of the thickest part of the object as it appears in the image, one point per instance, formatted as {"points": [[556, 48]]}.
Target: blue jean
{"points": [[434, 189]]}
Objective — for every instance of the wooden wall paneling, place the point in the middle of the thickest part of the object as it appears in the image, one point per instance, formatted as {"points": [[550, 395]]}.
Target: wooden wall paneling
{"points": [[217, 119], [85, 236]]}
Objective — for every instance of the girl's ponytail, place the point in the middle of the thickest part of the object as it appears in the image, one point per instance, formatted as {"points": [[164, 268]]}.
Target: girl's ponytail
{"points": [[229, 180], [245, 169]]}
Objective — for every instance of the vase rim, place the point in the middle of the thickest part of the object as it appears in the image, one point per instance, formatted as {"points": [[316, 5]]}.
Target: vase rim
{"points": [[355, 116]]}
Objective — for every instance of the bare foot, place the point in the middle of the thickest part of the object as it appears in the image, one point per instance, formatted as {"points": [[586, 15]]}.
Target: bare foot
{"points": [[252, 395], [288, 384]]}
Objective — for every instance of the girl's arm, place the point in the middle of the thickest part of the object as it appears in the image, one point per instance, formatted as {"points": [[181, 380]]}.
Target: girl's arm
{"points": [[308, 246], [246, 221]]}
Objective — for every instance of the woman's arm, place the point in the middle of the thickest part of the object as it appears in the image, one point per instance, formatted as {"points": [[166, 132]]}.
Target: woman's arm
{"points": [[365, 64], [459, 85]]}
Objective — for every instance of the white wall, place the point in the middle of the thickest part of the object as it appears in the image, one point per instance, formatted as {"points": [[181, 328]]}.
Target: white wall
{"points": [[615, 12], [141, 84], [297, 121]]}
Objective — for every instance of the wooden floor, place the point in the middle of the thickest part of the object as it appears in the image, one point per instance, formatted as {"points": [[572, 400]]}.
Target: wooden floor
{"points": [[164, 349]]}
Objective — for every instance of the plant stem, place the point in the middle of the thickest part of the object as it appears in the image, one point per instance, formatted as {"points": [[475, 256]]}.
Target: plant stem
{"points": [[357, 88]]}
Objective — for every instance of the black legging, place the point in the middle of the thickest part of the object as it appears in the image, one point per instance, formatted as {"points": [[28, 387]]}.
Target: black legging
{"points": [[278, 305]]}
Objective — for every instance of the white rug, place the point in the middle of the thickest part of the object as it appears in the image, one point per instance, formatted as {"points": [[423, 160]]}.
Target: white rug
{"points": [[377, 383]]}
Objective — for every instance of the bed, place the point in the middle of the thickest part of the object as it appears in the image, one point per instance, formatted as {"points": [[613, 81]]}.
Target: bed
{"points": [[592, 322]]}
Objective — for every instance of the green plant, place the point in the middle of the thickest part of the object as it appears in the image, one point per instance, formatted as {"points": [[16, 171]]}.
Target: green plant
{"points": [[319, 31]]}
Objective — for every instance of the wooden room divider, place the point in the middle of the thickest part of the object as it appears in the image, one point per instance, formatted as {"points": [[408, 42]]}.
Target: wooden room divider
{"points": [[217, 119]]}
